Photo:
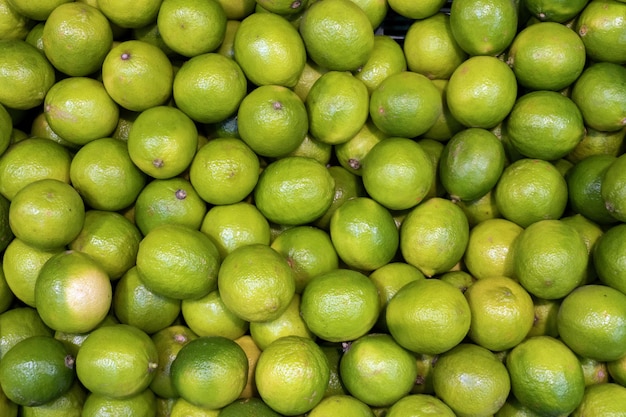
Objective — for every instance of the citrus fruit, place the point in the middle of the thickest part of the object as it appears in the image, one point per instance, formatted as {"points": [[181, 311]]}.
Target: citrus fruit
{"points": [[210, 372], [314, 149], [595, 371], [428, 307], [334, 352], [178, 262], [337, 34], [397, 173], [110, 239], [550, 259], [150, 34], [105, 175], [351, 154], [616, 370], [530, 190], [459, 372], [412, 10], [387, 58], [256, 282], [117, 361], [599, 92], [283, 7], [76, 38], [483, 27], [292, 374], [183, 408], [590, 232], [602, 399], [405, 104], [555, 11], [6, 295], [481, 91], [272, 120], [248, 406], [69, 404], [142, 404], [547, 56], [25, 73], [34, 36], [13, 25], [233, 225], [173, 201], [309, 251], [41, 128], [611, 188], [596, 142], [36, 370], [238, 9], [6, 129], [430, 47], [208, 316], [209, 87], [377, 370], [168, 341], [162, 141], [252, 352], [269, 50], [224, 171], [584, 182], [64, 214], [19, 323], [136, 305], [347, 186], [337, 107], [294, 190], [601, 25], [80, 110], [548, 115], [289, 323], [138, 14], [418, 405], [343, 404], [30, 160], [502, 313], [434, 235], [471, 163], [364, 234], [545, 376], [481, 209], [137, 75], [310, 73], [608, 257], [340, 305]]}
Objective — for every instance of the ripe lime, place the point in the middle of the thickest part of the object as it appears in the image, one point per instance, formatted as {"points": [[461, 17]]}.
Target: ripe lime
{"points": [[446, 125], [20, 323], [603, 400], [596, 142], [210, 372], [347, 186], [135, 15], [351, 154], [601, 26], [417, 405], [387, 58], [69, 404], [612, 188], [413, 10], [341, 405], [559, 11], [608, 257], [13, 25], [252, 353], [208, 316], [248, 406], [142, 404]]}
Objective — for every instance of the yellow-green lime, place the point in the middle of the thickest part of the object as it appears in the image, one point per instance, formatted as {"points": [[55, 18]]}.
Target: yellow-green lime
{"points": [[347, 186], [405, 104], [607, 399], [337, 34], [238, 9], [252, 353], [530, 190], [559, 11], [489, 250], [34, 36], [150, 34], [63, 208], [248, 406], [337, 107], [104, 174], [183, 408], [294, 191], [458, 278], [341, 305], [590, 232], [387, 58], [172, 200], [309, 251], [597, 142], [7, 297], [138, 14], [617, 370], [601, 25], [419, 405], [612, 187], [272, 120], [162, 141], [233, 225], [269, 50], [210, 371], [314, 149], [142, 404], [178, 262], [389, 279], [69, 404], [36, 370], [209, 87], [80, 110], [333, 352], [481, 91], [459, 372], [136, 305], [550, 259], [25, 74], [413, 10], [546, 376], [595, 371], [13, 25], [350, 154], [208, 316], [433, 149], [428, 307], [224, 171], [283, 7], [434, 236], [6, 129], [484, 27], [256, 282], [430, 47], [446, 125], [471, 164], [377, 370], [292, 374], [20, 323], [397, 173], [76, 38], [502, 313], [30, 160], [311, 73], [117, 361], [41, 128], [607, 258], [137, 75], [343, 405], [546, 312]]}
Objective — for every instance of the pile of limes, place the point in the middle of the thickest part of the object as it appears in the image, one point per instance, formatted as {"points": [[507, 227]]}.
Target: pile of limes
{"points": [[312, 208]]}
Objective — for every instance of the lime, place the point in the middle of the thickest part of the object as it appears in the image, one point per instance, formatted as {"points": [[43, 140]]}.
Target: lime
{"points": [[601, 25], [208, 316], [602, 399], [142, 404]]}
